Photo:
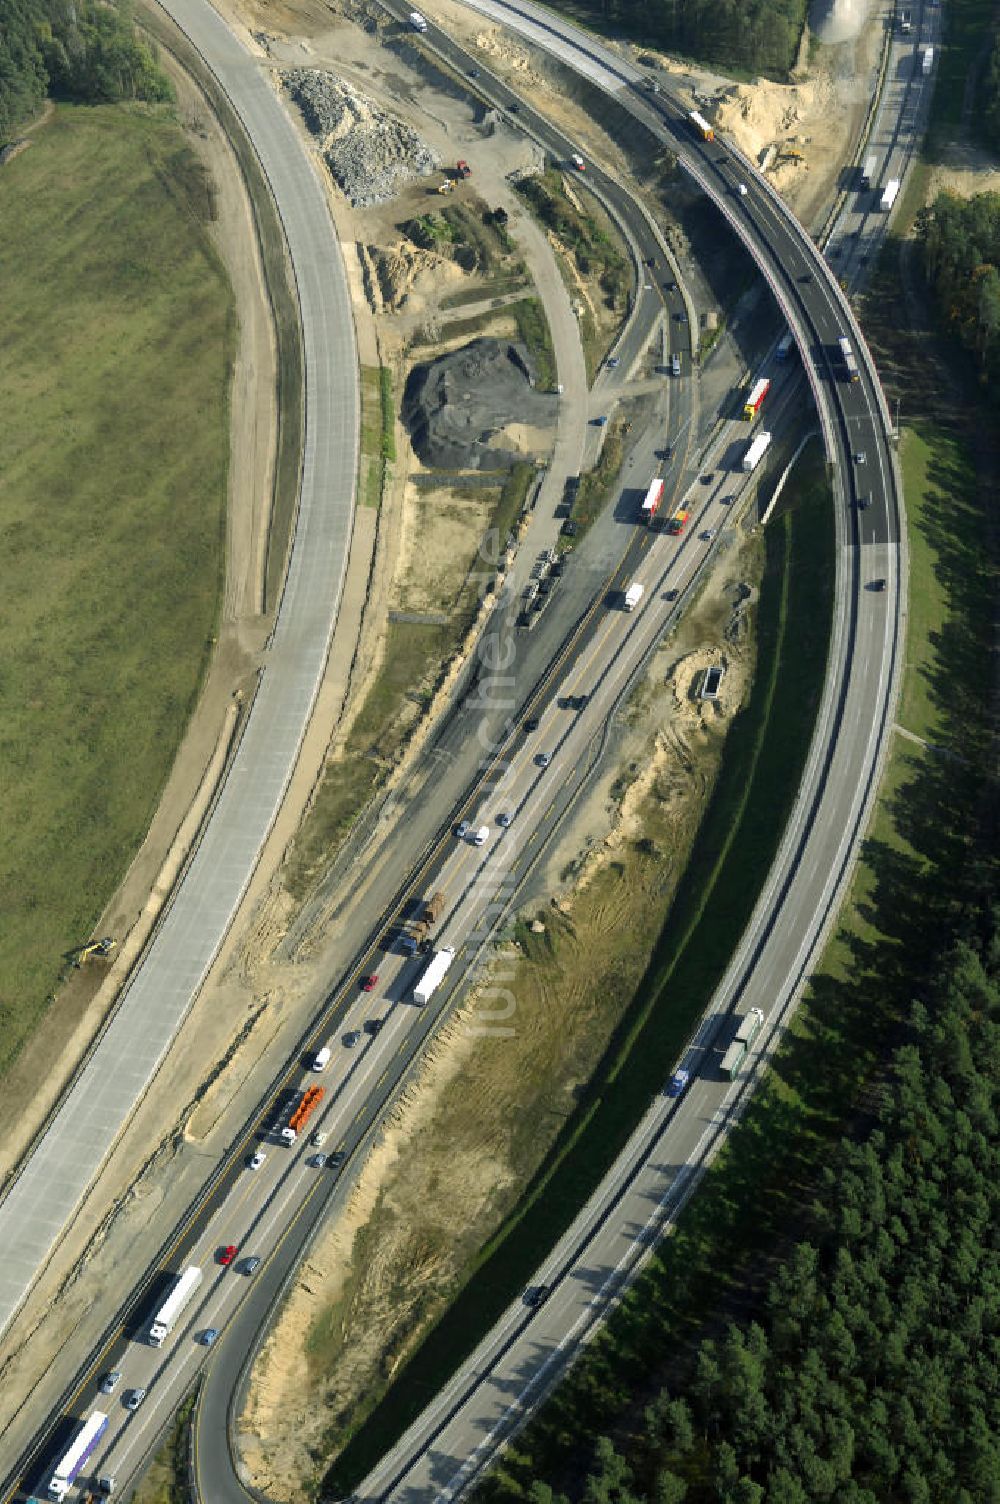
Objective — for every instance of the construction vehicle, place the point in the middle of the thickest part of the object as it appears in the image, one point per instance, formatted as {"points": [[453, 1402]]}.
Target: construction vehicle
{"points": [[304, 1109], [101, 948], [462, 169], [446, 186]]}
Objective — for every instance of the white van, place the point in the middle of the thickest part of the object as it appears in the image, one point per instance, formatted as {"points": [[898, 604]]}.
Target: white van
{"points": [[482, 835], [322, 1059]]}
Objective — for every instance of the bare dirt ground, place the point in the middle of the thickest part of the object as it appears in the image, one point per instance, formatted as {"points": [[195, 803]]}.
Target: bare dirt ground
{"points": [[965, 170], [470, 1131]]}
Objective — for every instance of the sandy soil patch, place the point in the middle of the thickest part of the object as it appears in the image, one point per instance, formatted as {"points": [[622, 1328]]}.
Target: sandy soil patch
{"points": [[965, 171], [442, 529], [469, 1132]]}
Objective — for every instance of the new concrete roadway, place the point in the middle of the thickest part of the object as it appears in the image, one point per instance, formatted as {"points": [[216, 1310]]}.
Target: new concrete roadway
{"points": [[81, 1133]]}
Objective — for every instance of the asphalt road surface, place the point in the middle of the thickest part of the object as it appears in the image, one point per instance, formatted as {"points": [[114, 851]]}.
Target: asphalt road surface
{"points": [[457, 1434]]}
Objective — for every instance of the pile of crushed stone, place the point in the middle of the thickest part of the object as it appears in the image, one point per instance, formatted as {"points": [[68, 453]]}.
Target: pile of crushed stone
{"points": [[371, 155], [457, 407]]}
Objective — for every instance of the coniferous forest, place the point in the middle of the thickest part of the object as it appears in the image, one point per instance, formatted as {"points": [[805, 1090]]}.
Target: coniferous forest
{"points": [[872, 1374], [86, 51], [961, 240]]}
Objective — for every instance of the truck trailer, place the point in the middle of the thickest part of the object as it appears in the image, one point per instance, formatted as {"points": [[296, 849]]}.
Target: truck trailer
{"points": [[702, 126], [434, 975], [869, 172], [749, 1028], [181, 1292], [759, 391], [434, 907], [889, 194], [847, 358], [652, 499], [301, 1113], [927, 60], [756, 451], [72, 1460]]}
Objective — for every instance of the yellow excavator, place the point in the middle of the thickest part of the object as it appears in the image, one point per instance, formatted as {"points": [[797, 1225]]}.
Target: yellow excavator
{"points": [[101, 948]]}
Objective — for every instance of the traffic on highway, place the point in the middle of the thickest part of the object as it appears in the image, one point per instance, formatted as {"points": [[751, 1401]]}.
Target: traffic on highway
{"points": [[292, 1162]]}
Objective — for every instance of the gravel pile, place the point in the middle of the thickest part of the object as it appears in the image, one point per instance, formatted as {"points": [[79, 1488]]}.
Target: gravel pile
{"points": [[457, 406], [371, 155]]}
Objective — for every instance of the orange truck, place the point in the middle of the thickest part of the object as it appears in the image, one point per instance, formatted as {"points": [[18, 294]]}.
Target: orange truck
{"points": [[678, 521], [304, 1109]]}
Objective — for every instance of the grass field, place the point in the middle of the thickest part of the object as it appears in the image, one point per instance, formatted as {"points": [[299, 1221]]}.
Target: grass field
{"points": [[118, 341]]}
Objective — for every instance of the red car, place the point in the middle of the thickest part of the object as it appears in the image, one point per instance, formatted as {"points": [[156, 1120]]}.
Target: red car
{"points": [[368, 984], [227, 1254]]}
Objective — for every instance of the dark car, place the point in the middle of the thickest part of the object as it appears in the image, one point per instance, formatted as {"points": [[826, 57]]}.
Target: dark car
{"points": [[536, 1295], [543, 759], [570, 528], [878, 585], [251, 1265], [677, 1083]]}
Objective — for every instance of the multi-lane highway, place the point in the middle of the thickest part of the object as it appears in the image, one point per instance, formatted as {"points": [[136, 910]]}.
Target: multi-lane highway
{"points": [[255, 1208]]}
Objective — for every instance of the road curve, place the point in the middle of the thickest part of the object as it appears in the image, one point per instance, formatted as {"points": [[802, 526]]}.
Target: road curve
{"points": [[462, 1429], [55, 1177]]}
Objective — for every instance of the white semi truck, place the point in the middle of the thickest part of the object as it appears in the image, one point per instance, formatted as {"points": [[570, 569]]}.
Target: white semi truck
{"points": [[181, 1292], [633, 596], [80, 1449], [756, 451], [434, 975], [889, 194]]}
